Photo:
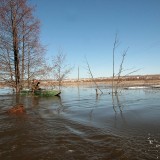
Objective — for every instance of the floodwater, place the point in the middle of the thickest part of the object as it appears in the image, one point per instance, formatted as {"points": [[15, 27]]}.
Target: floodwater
{"points": [[81, 126]]}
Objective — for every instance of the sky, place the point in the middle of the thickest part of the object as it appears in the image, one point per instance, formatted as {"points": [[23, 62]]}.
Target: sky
{"points": [[87, 29]]}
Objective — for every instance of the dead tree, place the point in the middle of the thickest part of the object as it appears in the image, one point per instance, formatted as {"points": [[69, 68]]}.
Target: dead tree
{"points": [[60, 69], [120, 72], [115, 45], [116, 82]]}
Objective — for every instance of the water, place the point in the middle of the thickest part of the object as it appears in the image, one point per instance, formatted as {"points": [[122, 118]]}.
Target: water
{"points": [[79, 125]]}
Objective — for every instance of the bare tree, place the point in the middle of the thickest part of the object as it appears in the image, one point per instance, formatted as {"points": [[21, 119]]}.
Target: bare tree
{"points": [[20, 49], [115, 45], [60, 69], [116, 82], [120, 71]]}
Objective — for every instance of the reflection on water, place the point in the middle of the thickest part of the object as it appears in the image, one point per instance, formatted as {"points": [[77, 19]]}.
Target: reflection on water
{"points": [[79, 125]]}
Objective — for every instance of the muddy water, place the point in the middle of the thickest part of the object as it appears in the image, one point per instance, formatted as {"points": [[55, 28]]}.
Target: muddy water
{"points": [[79, 125]]}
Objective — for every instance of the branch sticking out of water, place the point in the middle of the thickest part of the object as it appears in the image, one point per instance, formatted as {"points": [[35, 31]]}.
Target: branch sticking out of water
{"points": [[90, 72]]}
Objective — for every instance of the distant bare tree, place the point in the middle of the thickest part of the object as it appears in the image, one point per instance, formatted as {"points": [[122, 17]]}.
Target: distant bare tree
{"points": [[60, 69]]}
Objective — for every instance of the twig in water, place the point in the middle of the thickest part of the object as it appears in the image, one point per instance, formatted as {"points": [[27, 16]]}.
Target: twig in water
{"points": [[90, 72]]}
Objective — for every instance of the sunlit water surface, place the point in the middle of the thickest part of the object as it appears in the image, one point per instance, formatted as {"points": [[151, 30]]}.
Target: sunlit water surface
{"points": [[79, 125]]}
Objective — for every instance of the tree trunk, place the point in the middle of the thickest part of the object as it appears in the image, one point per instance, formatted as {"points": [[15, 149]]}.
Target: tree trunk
{"points": [[16, 52], [22, 69]]}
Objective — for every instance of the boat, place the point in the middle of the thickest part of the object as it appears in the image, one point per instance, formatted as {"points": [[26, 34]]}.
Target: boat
{"points": [[41, 92]]}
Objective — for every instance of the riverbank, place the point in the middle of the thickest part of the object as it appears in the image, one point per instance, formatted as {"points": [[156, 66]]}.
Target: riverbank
{"points": [[130, 81], [126, 81], [123, 83]]}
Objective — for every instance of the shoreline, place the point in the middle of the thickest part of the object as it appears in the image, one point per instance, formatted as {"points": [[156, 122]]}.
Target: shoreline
{"points": [[89, 82], [123, 84]]}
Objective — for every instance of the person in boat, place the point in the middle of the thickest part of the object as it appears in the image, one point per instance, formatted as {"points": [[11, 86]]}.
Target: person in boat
{"points": [[35, 85]]}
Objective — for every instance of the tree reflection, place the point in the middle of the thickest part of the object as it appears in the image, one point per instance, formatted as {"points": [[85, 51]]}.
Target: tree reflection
{"points": [[61, 107], [117, 104], [117, 107]]}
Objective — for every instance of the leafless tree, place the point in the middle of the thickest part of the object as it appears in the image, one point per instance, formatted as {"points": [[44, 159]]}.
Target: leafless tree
{"points": [[60, 69], [120, 71], [21, 53], [116, 82], [115, 45]]}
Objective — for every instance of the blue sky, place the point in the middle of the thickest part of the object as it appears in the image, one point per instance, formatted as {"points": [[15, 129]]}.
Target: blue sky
{"points": [[87, 28]]}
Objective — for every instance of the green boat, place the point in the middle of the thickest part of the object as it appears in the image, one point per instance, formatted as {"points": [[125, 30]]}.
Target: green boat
{"points": [[41, 93]]}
